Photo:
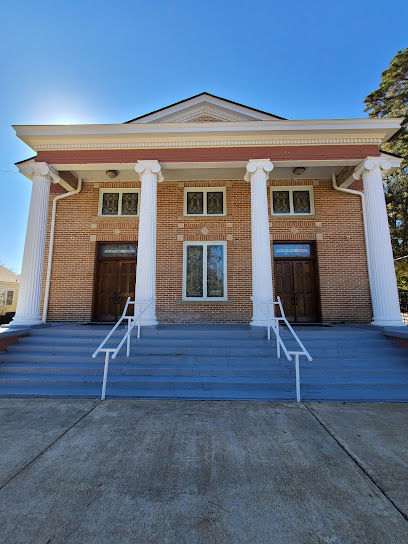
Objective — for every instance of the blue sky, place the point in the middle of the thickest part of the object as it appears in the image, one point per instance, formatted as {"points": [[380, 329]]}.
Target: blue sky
{"points": [[107, 62]]}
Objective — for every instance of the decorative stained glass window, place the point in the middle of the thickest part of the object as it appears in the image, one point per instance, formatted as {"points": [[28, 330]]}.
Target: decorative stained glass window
{"points": [[194, 279], [206, 201], [281, 202], [195, 202], [292, 200], [215, 271], [129, 203], [204, 271], [215, 202], [119, 202], [301, 202], [110, 204]]}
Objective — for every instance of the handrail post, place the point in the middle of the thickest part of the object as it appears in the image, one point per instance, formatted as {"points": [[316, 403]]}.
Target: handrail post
{"points": [[128, 339], [105, 373], [277, 340], [297, 377]]}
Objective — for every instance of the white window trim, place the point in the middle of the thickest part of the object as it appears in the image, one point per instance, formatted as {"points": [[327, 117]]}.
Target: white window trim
{"points": [[205, 190], [120, 191], [290, 190], [4, 293], [204, 298]]}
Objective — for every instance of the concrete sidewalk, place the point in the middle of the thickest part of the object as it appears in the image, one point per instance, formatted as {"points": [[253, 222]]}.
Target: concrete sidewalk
{"points": [[170, 472]]}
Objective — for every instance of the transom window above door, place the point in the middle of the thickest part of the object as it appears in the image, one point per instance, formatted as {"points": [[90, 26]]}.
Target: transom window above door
{"points": [[205, 271], [119, 202], [292, 201], [204, 201]]}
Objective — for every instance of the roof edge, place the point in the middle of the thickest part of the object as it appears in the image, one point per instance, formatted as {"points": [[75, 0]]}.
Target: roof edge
{"points": [[201, 94]]}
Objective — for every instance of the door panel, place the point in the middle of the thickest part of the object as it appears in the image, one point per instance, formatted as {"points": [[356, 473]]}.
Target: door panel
{"points": [[106, 292], [295, 283], [284, 287], [115, 283], [305, 291], [127, 280]]}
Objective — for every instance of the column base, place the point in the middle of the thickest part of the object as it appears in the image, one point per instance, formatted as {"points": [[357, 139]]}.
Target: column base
{"points": [[26, 321], [149, 322], [384, 322], [259, 323]]}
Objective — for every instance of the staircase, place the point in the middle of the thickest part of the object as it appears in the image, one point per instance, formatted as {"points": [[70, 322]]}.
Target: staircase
{"points": [[207, 362]]}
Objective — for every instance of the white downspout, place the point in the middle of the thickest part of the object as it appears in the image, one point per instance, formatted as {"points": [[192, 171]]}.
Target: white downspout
{"points": [[359, 193], [51, 246]]}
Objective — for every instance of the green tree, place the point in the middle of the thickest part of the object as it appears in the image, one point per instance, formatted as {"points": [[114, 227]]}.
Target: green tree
{"points": [[391, 100]]}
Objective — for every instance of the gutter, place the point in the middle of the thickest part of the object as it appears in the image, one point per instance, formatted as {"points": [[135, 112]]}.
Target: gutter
{"points": [[360, 194], [51, 246]]}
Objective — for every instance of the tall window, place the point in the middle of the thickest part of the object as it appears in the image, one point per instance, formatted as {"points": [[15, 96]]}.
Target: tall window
{"points": [[292, 201], [205, 271], [119, 202], [204, 201]]}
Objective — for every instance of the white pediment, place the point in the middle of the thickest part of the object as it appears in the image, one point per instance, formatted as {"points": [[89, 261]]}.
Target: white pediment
{"points": [[204, 108]]}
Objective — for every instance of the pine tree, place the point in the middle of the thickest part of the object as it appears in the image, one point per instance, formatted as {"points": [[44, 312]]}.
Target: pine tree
{"points": [[391, 100]]}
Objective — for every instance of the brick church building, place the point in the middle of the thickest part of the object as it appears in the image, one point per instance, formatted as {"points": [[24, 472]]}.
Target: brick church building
{"points": [[204, 204]]}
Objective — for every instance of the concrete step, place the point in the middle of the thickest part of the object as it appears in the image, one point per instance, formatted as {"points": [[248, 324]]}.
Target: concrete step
{"points": [[187, 349], [92, 343], [320, 362]]}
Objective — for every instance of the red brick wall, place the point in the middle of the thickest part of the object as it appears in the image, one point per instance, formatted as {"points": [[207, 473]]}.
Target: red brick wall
{"points": [[342, 265]]}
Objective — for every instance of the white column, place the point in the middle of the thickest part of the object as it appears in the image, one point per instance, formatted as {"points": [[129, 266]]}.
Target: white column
{"points": [[383, 284], [262, 290], [29, 295], [150, 174]]}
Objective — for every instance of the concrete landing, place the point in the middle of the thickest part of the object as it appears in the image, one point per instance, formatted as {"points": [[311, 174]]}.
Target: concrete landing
{"points": [[134, 471]]}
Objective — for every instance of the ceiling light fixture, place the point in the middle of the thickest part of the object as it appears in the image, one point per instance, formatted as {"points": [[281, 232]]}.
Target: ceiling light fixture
{"points": [[298, 171], [111, 173]]}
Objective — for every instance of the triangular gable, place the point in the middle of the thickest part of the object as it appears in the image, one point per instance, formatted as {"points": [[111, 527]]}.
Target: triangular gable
{"points": [[204, 108]]}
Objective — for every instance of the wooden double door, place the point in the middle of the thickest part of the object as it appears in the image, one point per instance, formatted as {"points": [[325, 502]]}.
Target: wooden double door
{"points": [[295, 284], [115, 282]]}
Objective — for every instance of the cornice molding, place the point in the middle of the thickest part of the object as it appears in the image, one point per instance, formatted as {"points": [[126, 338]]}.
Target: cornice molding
{"points": [[220, 143]]}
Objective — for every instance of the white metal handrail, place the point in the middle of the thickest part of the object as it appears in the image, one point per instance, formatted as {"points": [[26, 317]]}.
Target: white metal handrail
{"points": [[132, 320], [273, 322]]}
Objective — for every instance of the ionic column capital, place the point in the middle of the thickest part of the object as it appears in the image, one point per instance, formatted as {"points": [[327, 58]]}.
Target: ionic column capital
{"points": [[149, 167], [40, 169], [258, 164], [369, 164]]}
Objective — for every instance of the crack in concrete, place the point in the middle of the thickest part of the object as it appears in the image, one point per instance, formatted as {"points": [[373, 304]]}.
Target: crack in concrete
{"points": [[50, 445], [356, 461]]}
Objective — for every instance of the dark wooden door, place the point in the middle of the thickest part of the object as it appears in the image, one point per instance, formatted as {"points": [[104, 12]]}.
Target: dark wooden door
{"points": [[295, 282], [115, 283], [285, 287], [305, 291]]}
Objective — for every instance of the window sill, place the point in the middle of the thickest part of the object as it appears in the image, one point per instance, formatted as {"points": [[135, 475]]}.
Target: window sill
{"points": [[295, 216], [96, 218], [204, 217], [207, 302]]}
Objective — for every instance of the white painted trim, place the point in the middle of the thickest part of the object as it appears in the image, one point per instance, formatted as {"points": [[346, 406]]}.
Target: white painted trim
{"points": [[210, 143], [201, 100], [204, 244], [120, 191], [290, 189], [205, 190]]}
